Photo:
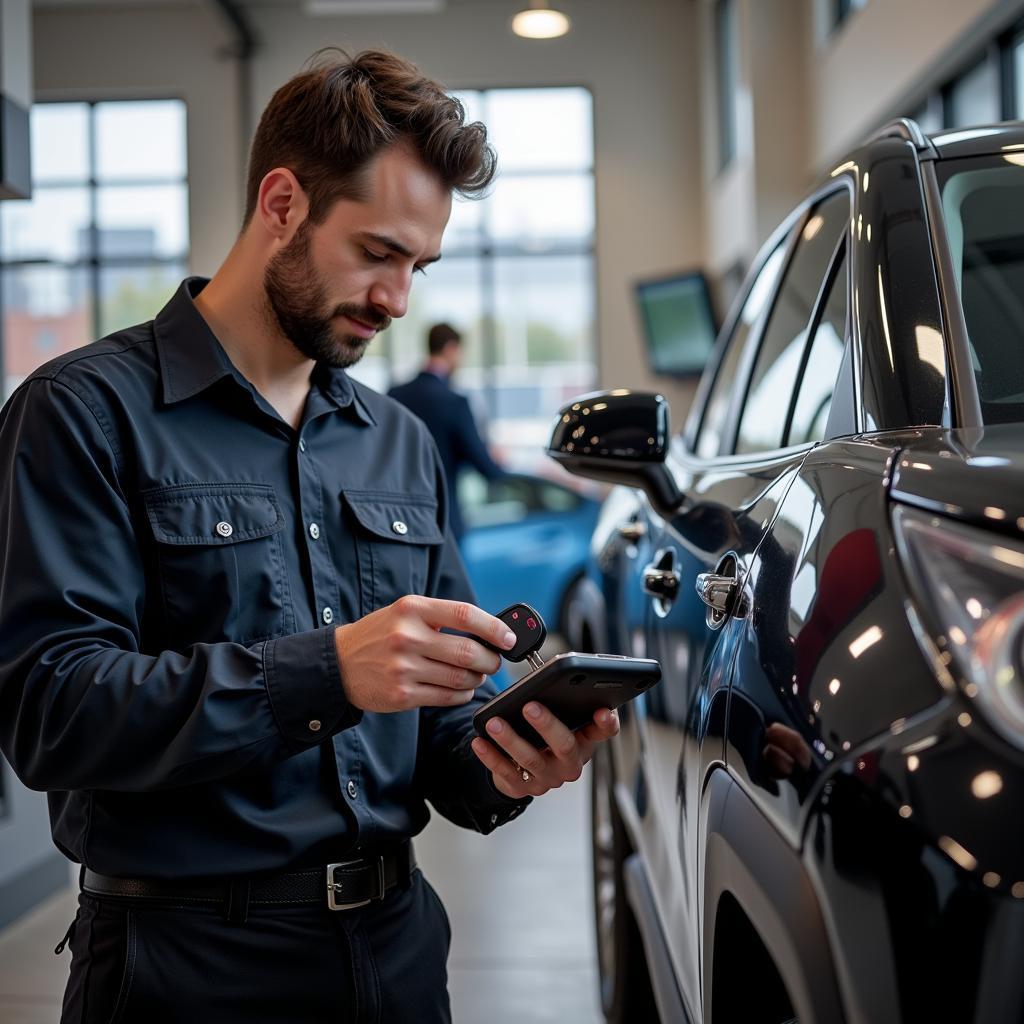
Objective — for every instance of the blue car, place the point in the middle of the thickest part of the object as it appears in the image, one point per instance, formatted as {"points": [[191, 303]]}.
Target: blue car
{"points": [[526, 540]]}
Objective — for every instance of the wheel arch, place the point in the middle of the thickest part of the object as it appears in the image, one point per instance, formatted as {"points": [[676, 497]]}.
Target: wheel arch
{"points": [[747, 859]]}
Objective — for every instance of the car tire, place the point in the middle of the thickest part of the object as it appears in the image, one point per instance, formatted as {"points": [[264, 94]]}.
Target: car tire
{"points": [[623, 980]]}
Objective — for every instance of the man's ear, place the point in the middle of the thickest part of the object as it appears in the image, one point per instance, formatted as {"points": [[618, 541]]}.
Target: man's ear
{"points": [[281, 204]]}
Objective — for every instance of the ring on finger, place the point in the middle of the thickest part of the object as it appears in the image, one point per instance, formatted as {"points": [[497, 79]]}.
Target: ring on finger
{"points": [[523, 773]]}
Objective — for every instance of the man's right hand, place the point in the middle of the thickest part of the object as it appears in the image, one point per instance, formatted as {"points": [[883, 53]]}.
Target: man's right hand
{"points": [[397, 658]]}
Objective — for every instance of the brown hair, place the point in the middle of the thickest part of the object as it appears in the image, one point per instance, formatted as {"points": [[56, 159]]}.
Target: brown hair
{"points": [[328, 122], [439, 335]]}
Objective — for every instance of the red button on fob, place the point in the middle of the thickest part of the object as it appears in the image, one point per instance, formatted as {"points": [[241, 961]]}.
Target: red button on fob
{"points": [[528, 627]]}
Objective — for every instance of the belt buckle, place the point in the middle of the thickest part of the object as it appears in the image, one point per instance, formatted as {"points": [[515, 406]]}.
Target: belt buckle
{"points": [[334, 887]]}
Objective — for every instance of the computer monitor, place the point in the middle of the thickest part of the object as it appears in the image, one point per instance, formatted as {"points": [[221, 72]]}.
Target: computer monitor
{"points": [[679, 323]]}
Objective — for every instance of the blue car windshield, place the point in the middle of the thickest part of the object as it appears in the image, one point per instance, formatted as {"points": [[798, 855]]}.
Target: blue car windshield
{"points": [[983, 207]]}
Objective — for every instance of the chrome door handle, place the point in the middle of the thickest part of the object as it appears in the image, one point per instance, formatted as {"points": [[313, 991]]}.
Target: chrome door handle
{"points": [[663, 583], [632, 530], [717, 592]]}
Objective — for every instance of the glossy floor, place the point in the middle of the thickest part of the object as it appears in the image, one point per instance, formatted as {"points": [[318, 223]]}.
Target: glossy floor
{"points": [[519, 901]]}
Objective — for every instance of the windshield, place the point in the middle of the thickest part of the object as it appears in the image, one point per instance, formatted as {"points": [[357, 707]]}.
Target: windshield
{"points": [[983, 206]]}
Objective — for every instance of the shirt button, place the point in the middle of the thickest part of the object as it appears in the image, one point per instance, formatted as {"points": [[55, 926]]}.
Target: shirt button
{"points": [[224, 529], [399, 527], [494, 819], [314, 531], [351, 790], [302, 445], [328, 616], [314, 726]]}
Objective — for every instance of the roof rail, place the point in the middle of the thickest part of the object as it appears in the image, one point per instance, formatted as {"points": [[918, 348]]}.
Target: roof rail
{"points": [[904, 128]]}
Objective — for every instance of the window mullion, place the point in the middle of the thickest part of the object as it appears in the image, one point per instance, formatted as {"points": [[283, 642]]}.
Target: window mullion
{"points": [[94, 231]]}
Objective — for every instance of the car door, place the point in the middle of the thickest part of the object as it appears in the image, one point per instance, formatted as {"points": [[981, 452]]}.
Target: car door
{"points": [[734, 474]]}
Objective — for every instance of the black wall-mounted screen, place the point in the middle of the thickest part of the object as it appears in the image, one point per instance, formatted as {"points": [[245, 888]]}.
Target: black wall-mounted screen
{"points": [[679, 323]]}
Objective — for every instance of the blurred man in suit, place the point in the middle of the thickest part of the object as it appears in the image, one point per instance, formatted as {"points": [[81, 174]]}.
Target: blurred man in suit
{"points": [[447, 415]]}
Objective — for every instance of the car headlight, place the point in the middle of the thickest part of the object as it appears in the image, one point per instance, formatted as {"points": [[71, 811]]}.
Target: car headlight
{"points": [[970, 587]]}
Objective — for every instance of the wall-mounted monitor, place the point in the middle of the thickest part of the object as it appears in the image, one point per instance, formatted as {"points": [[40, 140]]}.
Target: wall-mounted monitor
{"points": [[678, 321]]}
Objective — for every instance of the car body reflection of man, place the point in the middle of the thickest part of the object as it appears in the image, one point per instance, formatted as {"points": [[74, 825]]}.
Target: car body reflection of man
{"points": [[448, 416]]}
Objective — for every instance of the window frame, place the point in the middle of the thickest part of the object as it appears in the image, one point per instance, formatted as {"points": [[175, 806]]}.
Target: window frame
{"points": [[783, 235], [94, 263], [740, 394], [487, 252], [788, 234], [839, 255]]}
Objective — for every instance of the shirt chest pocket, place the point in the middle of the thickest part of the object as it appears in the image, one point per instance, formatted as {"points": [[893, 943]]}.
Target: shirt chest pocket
{"points": [[220, 562], [395, 536]]}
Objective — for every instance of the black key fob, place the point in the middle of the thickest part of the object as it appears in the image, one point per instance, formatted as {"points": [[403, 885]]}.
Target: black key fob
{"points": [[528, 627]]}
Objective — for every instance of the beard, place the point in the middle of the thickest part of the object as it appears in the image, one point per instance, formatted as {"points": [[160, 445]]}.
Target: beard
{"points": [[298, 304]]}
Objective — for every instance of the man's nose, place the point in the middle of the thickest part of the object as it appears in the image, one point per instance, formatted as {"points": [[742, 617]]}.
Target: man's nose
{"points": [[391, 296]]}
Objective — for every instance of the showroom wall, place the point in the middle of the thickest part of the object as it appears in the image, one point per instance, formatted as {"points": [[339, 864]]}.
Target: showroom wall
{"points": [[638, 59], [805, 92]]}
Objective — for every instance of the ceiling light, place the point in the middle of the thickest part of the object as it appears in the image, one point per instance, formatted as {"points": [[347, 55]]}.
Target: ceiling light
{"points": [[539, 21]]}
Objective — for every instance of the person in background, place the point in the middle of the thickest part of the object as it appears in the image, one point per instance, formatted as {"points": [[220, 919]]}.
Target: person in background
{"points": [[448, 416]]}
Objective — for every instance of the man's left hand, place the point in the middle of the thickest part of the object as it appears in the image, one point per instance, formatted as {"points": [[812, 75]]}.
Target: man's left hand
{"points": [[563, 761]]}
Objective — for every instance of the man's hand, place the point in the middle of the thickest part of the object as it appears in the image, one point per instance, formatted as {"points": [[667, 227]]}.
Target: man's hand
{"points": [[562, 762], [396, 658]]}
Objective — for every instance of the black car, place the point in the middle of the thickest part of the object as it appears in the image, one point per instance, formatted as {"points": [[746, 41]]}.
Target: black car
{"points": [[819, 812]]}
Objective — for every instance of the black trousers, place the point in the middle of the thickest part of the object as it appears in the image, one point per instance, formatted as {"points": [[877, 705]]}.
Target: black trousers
{"points": [[385, 963]]}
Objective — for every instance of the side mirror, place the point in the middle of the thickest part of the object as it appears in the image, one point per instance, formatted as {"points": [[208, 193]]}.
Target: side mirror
{"points": [[620, 437]]}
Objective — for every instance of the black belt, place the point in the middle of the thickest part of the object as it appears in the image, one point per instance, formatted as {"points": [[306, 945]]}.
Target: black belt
{"points": [[343, 885]]}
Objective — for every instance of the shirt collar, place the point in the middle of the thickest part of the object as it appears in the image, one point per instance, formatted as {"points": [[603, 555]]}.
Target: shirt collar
{"points": [[192, 359]]}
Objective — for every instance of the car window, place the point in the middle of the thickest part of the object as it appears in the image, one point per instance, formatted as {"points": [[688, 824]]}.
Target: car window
{"points": [[710, 436], [557, 499], [982, 203], [763, 419], [509, 499], [818, 383]]}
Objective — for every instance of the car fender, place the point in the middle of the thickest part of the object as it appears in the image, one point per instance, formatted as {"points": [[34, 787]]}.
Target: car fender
{"points": [[746, 857]]}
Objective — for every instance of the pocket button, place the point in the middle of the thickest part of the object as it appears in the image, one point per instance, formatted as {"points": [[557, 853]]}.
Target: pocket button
{"points": [[399, 527], [224, 529]]}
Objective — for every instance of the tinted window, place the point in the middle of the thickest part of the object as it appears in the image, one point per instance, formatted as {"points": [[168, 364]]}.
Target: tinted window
{"points": [[510, 499], [983, 202], [826, 353], [710, 436], [763, 419]]}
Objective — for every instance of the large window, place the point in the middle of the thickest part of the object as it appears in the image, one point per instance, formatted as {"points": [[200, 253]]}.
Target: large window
{"points": [[517, 274], [974, 97], [840, 10], [726, 79], [103, 241], [989, 88]]}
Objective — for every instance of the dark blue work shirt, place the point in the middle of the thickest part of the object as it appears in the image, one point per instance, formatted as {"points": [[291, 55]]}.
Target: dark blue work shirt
{"points": [[175, 561]]}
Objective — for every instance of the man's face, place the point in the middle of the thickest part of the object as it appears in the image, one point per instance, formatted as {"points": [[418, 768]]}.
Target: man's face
{"points": [[336, 284]]}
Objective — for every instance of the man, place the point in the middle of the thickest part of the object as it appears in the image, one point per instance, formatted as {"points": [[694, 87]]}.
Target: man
{"points": [[225, 588], [447, 416]]}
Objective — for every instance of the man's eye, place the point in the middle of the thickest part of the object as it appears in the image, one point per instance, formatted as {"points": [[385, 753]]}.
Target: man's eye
{"points": [[420, 270], [374, 257]]}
